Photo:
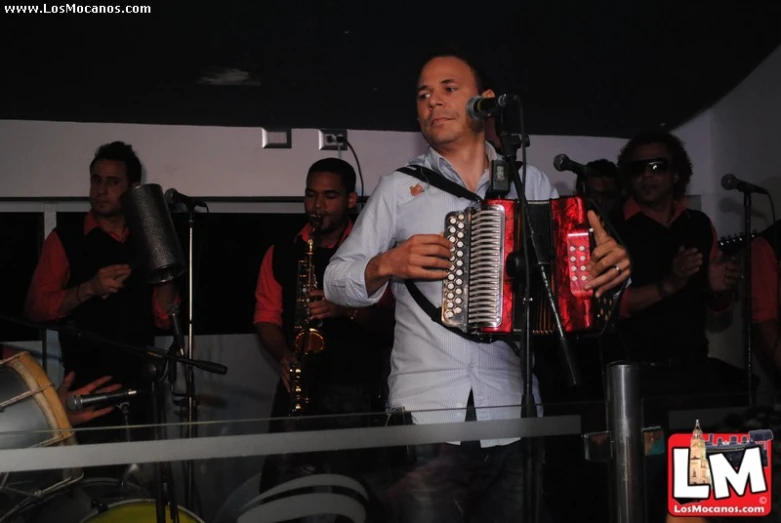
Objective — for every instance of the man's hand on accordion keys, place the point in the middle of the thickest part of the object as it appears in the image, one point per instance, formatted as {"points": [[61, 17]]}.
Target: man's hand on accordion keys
{"points": [[610, 265], [422, 256]]}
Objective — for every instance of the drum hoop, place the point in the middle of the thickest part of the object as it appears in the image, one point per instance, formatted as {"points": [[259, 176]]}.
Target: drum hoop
{"points": [[118, 504], [35, 378]]}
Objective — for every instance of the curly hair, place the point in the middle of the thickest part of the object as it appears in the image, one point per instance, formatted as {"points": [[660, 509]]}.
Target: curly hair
{"points": [[680, 161]]}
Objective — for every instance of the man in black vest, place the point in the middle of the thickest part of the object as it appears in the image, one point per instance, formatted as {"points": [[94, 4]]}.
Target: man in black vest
{"points": [[85, 278], [348, 376], [678, 276]]}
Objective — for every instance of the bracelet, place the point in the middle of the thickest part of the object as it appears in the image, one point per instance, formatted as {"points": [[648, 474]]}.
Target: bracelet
{"points": [[660, 287], [353, 315]]}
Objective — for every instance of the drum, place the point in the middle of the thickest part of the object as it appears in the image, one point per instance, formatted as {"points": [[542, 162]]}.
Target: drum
{"points": [[98, 500], [31, 415], [137, 511]]}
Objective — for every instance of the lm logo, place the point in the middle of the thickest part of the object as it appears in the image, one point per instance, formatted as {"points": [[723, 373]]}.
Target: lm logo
{"points": [[725, 474]]}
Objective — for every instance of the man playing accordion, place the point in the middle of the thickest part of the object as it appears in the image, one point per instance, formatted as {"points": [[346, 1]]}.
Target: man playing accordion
{"points": [[398, 237]]}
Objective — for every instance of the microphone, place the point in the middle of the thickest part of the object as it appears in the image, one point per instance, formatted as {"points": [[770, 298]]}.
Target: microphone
{"points": [[172, 196], [730, 181], [480, 107], [562, 163], [79, 402]]}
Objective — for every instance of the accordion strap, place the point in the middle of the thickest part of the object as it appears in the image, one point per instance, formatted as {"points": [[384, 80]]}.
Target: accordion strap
{"points": [[434, 178]]}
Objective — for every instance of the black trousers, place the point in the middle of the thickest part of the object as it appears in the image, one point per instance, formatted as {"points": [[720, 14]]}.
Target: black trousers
{"points": [[466, 483]]}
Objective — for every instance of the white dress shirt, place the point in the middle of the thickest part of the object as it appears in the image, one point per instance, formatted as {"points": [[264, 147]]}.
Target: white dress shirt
{"points": [[432, 369]]}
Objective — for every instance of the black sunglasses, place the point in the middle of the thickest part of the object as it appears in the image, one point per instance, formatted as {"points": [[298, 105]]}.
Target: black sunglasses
{"points": [[653, 165]]}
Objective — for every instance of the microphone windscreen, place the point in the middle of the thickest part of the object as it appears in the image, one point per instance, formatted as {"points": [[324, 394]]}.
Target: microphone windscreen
{"points": [[71, 403], [560, 162], [729, 181], [152, 232]]}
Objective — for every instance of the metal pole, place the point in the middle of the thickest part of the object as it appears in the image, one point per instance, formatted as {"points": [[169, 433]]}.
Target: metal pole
{"points": [[747, 298], [624, 415]]}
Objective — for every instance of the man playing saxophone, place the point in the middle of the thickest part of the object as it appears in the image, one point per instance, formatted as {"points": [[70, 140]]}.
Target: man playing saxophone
{"points": [[345, 371]]}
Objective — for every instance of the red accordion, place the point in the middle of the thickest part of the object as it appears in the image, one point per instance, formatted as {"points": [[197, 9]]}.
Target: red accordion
{"points": [[478, 295]]}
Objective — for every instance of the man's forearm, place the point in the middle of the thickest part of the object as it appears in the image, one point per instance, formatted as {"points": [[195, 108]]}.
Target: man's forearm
{"points": [[375, 274], [640, 298], [74, 297], [273, 339]]}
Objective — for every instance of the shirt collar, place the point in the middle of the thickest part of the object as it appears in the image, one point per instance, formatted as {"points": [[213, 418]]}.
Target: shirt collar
{"points": [[306, 233], [433, 160], [631, 208], [90, 223]]}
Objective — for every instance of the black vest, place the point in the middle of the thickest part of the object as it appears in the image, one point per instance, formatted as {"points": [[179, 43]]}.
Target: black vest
{"points": [[125, 316], [675, 326], [352, 354]]}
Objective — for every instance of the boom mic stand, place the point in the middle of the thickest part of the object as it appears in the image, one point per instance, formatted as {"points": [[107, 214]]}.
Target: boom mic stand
{"points": [[522, 265]]}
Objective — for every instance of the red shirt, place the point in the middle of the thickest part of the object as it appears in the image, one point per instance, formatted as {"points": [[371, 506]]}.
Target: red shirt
{"points": [[51, 276], [631, 208], [764, 282], [268, 293]]}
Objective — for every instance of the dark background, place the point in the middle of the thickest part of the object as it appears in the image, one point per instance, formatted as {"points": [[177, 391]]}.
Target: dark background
{"points": [[596, 68]]}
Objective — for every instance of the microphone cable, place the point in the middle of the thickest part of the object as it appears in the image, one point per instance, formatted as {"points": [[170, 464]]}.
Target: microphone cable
{"points": [[342, 139]]}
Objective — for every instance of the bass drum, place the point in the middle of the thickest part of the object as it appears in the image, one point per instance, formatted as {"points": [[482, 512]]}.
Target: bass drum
{"points": [[31, 415], [99, 500]]}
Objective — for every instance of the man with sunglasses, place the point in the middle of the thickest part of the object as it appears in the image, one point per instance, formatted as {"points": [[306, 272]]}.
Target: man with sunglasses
{"points": [[678, 276], [679, 273]]}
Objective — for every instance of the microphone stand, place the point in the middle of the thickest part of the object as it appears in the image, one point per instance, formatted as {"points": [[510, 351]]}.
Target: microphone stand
{"points": [[521, 266], [747, 334], [189, 399]]}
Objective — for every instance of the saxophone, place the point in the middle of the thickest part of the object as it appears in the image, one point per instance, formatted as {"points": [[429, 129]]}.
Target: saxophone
{"points": [[307, 339]]}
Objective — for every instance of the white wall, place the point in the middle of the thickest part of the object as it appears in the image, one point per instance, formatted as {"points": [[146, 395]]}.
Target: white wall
{"points": [[737, 135], [51, 158]]}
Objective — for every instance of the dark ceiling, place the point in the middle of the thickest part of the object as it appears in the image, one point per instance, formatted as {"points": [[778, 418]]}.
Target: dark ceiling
{"points": [[592, 68]]}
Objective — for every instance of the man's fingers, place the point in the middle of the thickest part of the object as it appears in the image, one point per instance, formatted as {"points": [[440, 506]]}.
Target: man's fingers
{"points": [[90, 387], [111, 388], [600, 251], [610, 279], [599, 232], [608, 262], [67, 381], [98, 413], [429, 262], [430, 249]]}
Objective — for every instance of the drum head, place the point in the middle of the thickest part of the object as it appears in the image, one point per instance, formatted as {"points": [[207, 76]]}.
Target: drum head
{"points": [[138, 511]]}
